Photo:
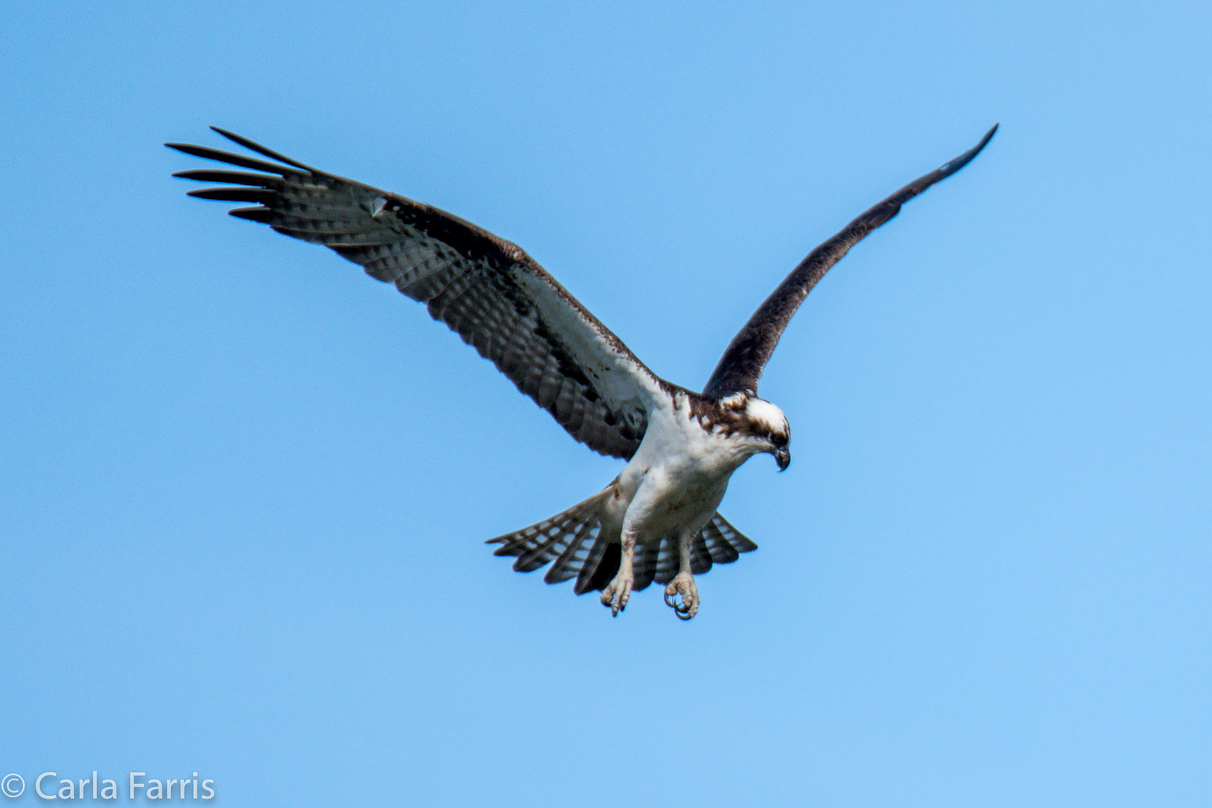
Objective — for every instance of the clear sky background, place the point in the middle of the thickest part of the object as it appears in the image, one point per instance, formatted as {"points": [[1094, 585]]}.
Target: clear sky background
{"points": [[244, 488]]}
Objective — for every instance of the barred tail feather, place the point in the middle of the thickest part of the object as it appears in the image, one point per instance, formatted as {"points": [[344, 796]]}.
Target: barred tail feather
{"points": [[644, 564], [572, 542], [572, 560], [717, 543], [667, 560], [599, 567], [554, 539], [723, 541]]}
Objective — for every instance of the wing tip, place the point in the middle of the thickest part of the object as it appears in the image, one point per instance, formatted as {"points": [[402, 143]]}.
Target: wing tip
{"points": [[261, 150], [282, 167], [259, 214], [955, 165], [988, 136]]}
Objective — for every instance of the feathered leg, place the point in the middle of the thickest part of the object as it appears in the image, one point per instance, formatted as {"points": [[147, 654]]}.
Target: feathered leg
{"points": [[683, 583], [617, 592]]}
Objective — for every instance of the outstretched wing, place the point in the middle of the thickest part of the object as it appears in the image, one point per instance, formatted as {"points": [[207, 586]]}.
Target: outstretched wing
{"points": [[741, 366], [494, 295]]}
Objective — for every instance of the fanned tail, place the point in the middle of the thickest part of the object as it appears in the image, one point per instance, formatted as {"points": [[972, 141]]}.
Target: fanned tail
{"points": [[716, 543], [573, 540], [720, 542]]}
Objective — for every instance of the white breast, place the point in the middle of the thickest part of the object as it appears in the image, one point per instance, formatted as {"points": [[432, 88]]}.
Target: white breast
{"points": [[679, 474]]}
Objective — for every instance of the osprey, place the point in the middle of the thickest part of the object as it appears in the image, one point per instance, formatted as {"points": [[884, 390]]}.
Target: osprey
{"points": [[657, 521]]}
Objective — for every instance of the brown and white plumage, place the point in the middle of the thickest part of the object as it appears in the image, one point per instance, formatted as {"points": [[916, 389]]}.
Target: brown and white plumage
{"points": [[488, 290], [657, 521]]}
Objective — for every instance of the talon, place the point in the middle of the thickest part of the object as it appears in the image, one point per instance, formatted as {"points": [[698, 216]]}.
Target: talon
{"points": [[683, 585], [617, 593]]}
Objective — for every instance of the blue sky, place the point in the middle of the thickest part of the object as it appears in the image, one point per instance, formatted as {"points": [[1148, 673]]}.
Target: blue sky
{"points": [[244, 488]]}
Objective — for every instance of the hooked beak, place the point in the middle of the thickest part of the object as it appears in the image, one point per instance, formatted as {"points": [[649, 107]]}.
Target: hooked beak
{"points": [[782, 456]]}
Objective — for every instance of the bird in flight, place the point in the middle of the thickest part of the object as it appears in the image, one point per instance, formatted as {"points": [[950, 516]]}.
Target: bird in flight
{"points": [[656, 521]]}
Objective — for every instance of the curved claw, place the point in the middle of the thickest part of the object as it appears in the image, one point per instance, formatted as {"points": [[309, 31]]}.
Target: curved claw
{"points": [[682, 610], [684, 586], [617, 593]]}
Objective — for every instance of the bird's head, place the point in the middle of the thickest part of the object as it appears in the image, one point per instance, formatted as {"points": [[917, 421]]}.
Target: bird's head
{"points": [[769, 426]]}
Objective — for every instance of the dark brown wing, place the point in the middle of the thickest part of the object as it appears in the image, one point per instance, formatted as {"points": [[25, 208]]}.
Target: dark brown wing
{"points": [[494, 295], [741, 366]]}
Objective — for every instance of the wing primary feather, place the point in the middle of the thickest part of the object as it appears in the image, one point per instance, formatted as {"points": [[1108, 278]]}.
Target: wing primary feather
{"points": [[218, 155], [235, 194], [228, 177], [257, 214], [259, 149]]}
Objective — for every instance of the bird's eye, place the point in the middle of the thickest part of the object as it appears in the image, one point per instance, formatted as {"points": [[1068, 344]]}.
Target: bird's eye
{"points": [[778, 440]]}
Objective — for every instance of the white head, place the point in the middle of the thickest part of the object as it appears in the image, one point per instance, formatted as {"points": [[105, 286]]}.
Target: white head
{"points": [[769, 425]]}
